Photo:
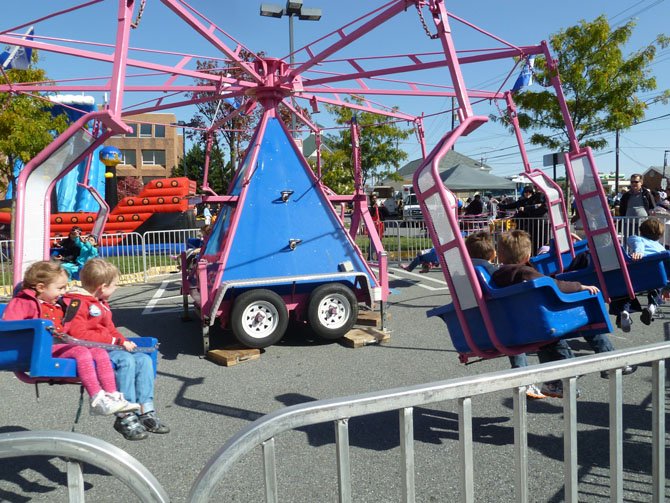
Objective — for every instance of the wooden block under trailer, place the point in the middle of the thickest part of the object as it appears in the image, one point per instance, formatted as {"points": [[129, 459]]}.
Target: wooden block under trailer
{"points": [[232, 356], [359, 337]]}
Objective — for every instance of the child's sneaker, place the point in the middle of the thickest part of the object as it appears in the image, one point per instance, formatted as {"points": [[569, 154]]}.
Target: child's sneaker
{"points": [[104, 405], [130, 427], [151, 423], [626, 321], [534, 393], [129, 407], [647, 315], [627, 370], [554, 389]]}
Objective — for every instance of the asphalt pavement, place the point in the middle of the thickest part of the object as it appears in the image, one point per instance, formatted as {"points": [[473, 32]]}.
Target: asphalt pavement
{"points": [[205, 404]]}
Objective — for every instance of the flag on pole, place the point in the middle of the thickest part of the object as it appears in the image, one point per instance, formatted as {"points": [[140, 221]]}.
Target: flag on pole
{"points": [[525, 78], [18, 57]]}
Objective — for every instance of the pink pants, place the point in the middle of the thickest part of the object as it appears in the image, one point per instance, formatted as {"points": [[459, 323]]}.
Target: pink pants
{"points": [[94, 377]]}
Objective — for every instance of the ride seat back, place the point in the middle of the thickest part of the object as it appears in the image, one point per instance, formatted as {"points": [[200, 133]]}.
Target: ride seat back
{"points": [[547, 263], [25, 346], [648, 273]]}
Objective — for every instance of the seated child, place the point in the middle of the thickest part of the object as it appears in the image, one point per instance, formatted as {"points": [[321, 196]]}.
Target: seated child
{"points": [[87, 251], [92, 320], [514, 249], [43, 285], [482, 253], [647, 243], [427, 259]]}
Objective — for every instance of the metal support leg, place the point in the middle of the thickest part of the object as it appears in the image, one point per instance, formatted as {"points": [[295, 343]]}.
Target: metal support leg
{"points": [[205, 339], [75, 482], [185, 316]]}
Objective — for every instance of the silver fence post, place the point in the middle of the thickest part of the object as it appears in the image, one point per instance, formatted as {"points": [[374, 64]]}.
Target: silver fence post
{"points": [[270, 469], [407, 453], [658, 431], [144, 258], [465, 442], [520, 444], [570, 465], [343, 460]]}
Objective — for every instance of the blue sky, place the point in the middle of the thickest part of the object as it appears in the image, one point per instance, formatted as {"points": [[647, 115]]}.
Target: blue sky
{"points": [[521, 22]]}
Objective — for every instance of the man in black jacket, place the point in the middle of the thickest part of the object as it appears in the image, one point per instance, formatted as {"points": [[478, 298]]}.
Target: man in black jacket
{"points": [[638, 201], [531, 206], [476, 207]]}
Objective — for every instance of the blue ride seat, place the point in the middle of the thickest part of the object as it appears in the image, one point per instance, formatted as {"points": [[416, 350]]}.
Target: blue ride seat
{"points": [[648, 273], [531, 312], [547, 263], [26, 346]]}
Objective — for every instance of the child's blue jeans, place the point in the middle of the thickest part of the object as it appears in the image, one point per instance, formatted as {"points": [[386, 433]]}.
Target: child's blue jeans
{"points": [[134, 377]]}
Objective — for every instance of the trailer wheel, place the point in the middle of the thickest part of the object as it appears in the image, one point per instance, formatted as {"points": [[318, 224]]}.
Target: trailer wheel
{"points": [[332, 310], [259, 318]]}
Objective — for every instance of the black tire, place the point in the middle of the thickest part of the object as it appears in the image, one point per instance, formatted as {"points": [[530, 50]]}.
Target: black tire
{"points": [[259, 318], [332, 311]]}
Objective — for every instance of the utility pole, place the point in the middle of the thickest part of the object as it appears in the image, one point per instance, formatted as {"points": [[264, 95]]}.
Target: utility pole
{"points": [[616, 165], [664, 181]]}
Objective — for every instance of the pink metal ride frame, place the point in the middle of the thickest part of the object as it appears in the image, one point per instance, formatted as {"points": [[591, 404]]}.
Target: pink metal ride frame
{"points": [[269, 82]]}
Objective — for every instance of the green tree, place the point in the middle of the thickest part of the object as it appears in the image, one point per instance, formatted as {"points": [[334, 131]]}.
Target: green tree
{"points": [[336, 171], [219, 170], [600, 85], [380, 155], [26, 122], [234, 133]]}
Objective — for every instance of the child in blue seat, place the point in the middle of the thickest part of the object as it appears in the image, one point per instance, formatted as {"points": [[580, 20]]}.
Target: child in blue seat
{"points": [[91, 319], [514, 250], [482, 253], [647, 243]]}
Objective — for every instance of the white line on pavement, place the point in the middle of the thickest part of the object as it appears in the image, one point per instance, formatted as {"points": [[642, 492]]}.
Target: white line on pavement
{"points": [[157, 296], [423, 277]]}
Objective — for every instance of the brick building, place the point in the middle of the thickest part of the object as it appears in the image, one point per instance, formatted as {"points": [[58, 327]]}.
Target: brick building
{"points": [[152, 149]]}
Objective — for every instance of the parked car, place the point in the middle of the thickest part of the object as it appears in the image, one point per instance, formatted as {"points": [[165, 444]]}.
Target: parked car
{"points": [[411, 209]]}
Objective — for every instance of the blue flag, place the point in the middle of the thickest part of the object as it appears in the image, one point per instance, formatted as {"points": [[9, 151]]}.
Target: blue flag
{"points": [[525, 78], [18, 57]]}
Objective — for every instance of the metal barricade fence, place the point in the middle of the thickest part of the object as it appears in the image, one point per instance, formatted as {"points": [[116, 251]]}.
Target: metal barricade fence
{"points": [[264, 431], [126, 252], [6, 252], [404, 240], [138, 257], [78, 449], [161, 248]]}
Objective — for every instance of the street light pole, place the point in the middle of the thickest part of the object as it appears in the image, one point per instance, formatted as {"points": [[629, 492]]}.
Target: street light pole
{"points": [[293, 8], [292, 61], [664, 181]]}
